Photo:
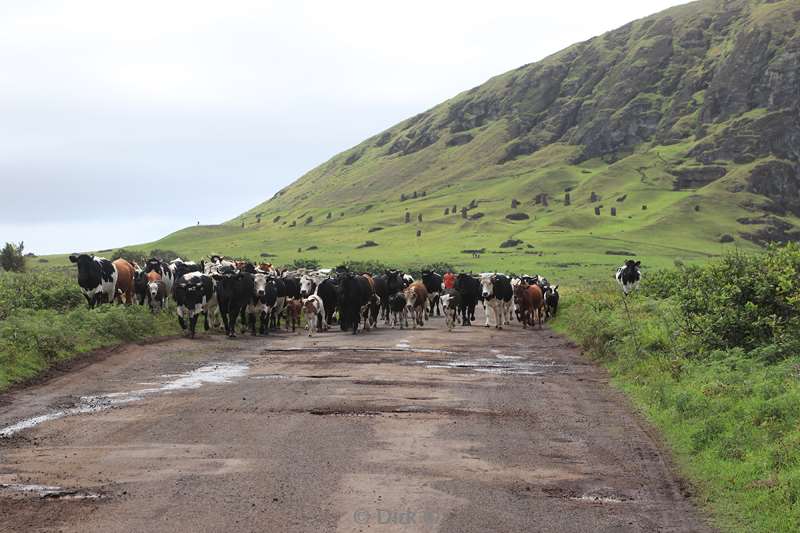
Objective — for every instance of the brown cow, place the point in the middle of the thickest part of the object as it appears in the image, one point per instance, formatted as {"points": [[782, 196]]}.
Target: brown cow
{"points": [[125, 275], [530, 301], [293, 308], [416, 299]]}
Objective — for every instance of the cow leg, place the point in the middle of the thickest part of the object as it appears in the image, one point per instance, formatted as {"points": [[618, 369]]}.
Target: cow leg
{"points": [[182, 324], [251, 322], [192, 325]]}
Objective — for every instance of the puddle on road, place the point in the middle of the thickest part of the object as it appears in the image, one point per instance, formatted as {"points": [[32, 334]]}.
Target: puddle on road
{"points": [[510, 365], [47, 491], [212, 373]]}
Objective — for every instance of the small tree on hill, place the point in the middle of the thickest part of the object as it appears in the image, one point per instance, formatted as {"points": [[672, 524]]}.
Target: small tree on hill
{"points": [[11, 258], [408, 217]]}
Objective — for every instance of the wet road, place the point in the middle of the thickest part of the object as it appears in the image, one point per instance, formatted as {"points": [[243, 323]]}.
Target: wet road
{"points": [[475, 430]]}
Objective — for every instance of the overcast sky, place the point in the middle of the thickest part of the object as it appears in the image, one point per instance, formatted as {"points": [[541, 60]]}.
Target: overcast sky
{"points": [[121, 122]]}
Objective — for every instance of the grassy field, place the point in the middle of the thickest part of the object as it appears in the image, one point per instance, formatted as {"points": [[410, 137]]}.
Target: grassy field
{"points": [[44, 321], [714, 366]]}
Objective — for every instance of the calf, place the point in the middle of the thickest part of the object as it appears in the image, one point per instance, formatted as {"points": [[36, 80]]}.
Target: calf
{"points": [[314, 309], [97, 278], [416, 302], [433, 284], [629, 275], [451, 304], [496, 292], [156, 295], [155, 264], [388, 283], [397, 308], [293, 309], [192, 292], [551, 298]]}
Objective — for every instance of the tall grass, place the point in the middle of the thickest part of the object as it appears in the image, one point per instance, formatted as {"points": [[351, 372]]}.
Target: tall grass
{"points": [[708, 356], [44, 320]]}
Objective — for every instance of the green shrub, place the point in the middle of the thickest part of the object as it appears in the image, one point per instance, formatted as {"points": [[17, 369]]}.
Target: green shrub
{"points": [[11, 257]]}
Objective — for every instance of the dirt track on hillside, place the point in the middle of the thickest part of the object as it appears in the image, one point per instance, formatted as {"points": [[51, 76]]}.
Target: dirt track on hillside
{"points": [[477, 430]]}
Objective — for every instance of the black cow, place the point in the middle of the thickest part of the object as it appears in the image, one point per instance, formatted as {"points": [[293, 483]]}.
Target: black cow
{"points": [[140, 286], [629, 275], [97, 278], [355, 293], [433, 283], [328, 290], [192, 292], [470, 290], [234, 291]]}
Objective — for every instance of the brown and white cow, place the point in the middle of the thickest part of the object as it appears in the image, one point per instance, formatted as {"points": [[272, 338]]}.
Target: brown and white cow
{"points": [[314, 310], [416, 302], [126, 273]]}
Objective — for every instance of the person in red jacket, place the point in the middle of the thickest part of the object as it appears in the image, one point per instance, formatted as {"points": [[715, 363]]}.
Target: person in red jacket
{"points": [[449, 280]]}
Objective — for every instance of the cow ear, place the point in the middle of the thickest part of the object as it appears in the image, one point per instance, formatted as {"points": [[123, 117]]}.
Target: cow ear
{"points": [[638, 263], [555, 288], [73, 258]]}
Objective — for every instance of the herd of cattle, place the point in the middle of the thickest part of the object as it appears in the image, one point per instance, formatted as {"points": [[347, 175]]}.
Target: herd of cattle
{"points": [[233, 290]]}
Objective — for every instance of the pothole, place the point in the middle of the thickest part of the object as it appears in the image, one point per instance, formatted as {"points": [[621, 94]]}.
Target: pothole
{"points": [[47, 492], [495, 366], [601, 495], [214, 373]]}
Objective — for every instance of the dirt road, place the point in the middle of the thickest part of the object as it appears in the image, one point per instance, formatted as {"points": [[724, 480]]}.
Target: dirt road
{"points": [[475, 430]]}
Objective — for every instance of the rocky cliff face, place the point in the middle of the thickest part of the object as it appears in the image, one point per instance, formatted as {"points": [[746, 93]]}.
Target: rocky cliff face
{"points": [[716, 83]]}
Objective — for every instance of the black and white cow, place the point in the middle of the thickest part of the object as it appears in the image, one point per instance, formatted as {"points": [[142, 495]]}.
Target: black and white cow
{"points": [[156, 295], [192, 293], [97, 278], [155, 264], [139, 284], [179, 267], [451, 304], [388, 283], [470, 290], [629, 275], [551, 298], [497, 293], [433, 283], [397, 308]]}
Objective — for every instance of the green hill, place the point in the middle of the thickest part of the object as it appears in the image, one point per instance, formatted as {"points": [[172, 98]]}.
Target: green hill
{"points": [[681, 130]]}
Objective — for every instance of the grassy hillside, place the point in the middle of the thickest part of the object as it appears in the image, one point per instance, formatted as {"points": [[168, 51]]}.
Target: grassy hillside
{"points": [[685, 123]]}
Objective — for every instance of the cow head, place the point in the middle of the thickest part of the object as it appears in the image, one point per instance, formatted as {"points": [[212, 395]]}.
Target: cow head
{"points": [[152, 288], [307, 285], [487, 285], [260, 285]]}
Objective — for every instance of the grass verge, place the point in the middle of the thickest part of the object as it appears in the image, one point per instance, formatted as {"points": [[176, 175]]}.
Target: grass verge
{"points": [[731, 416]]}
